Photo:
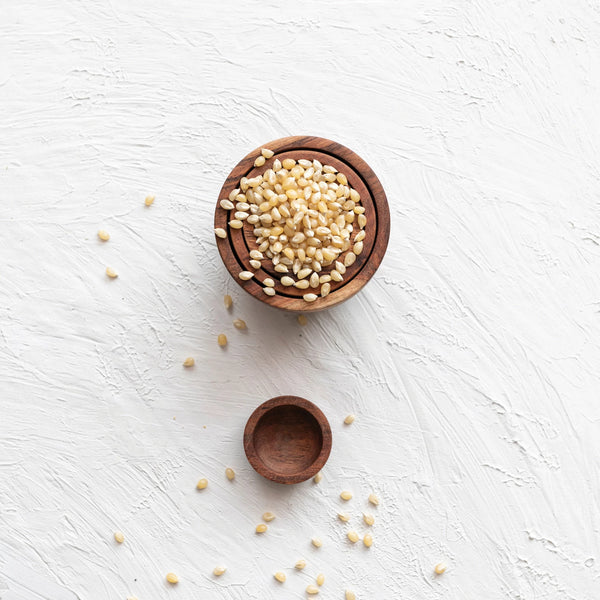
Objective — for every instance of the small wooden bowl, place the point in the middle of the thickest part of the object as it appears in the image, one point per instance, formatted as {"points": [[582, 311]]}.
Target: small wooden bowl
{"points": [[236, 247], [287, 439]]}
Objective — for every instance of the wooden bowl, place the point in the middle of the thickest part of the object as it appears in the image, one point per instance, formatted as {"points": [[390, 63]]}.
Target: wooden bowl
{"points": [[287, 439], [235, 248]]}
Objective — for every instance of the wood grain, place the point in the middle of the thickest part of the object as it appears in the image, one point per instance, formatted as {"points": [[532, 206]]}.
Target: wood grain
{"points": [[287, 439], [234, 249]]}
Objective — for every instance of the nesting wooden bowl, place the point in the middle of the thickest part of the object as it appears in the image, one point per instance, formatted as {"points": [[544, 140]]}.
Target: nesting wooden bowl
{"points": [[287, 439], [236, 247]]}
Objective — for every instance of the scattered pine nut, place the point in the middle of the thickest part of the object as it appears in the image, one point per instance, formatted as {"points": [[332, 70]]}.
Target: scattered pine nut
{"points": [[319, 476], [316, 542], [222, 340], [149, 201], [220, 233], [345, 517], [269, 291], [103, 235], [119, 537], [312, 590], [267, 153], [246, 275], [189, 362], [345, 495], [261, 528], [111, 272], [303, 321], [239, 324], [350, 595], [373, 499], [368, 519], [268, 517], [260, 161], [218, 571], [269, 282], [227, 204], [349, 419], [353, 536], [320, 579], [300, 564], [280, 577], [325, 289], [368, 540], [440, 568], [202, 484], [172, 578], [236, 224], [230, 473], [310, 297], [227, 301]]}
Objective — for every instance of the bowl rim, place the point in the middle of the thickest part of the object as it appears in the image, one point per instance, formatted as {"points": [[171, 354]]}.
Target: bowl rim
{"points": [[250, 450], [378, 197]]}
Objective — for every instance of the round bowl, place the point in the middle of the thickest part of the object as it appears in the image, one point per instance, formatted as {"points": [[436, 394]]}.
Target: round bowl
{"points": [[287, 439], [236, 247]]}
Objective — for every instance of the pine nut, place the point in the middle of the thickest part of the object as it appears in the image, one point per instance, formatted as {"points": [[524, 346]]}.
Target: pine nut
{"points": [[222, 340], [373, 499], [302, 284], [319, 476], [281, 268], [227, 301], [149, 201], [261, 528], [269, 291], [119, 537], [103, 235], [344, 517], [336, 276], [300, 564], [357, 248], [267, 153], [246, 275], [280, 577], [268, 517], [202, 484], [353, 536], [368, 519], [227, 204], [312, 590], [320, 579], [345, 495], [349, 259], [111, 272], [230, 473], [350, 595], [189, 362], [362, 220], [269, 282], [236, 224], [256, 255], [220, 232], [314, 280], [368, 540], [260, 161], [440, 568], [239, 324], [172, 578], [349, 419], [340, 267], [218, 571], [310, 297], [255, 264], [287, 281], [316, 542]]}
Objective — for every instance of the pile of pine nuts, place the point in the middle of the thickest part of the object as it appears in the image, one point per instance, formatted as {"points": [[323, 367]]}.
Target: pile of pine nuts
{"points": [[304, 216]]}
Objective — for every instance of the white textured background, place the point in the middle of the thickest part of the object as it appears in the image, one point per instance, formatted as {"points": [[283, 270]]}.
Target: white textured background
{"points": [[471, 359]]}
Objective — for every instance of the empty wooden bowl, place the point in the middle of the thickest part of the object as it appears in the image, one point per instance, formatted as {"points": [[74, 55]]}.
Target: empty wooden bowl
{"points": [[287, 439], [236, 247]]}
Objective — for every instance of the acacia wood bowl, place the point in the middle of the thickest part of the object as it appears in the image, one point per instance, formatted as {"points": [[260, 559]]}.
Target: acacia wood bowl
{"points": [[287, 439], [235, 248]]}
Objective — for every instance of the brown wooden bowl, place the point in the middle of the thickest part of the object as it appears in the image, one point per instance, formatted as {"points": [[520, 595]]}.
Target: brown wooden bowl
{"points": [[236, 247], [287, 439]]}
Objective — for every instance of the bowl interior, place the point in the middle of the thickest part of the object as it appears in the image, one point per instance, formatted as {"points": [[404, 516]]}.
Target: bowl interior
{"points": [[288, 439]]}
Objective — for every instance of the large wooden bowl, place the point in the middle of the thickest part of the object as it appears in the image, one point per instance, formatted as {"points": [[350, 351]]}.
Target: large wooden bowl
{"points": [[236, 247], [287, 439]]}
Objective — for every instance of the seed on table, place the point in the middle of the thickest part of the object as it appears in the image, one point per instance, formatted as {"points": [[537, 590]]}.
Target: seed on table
{"points": [[316, 542], [345, 495], [111, 272], [368, 540], [260, 161], [267, 153], [280, 577], [302, 284], [119, 537], [310, 297], [230, 473], [227, 204], [202, 484], [353, 536], [349, 419], [300, 564], [246, 275], [269, 282], [172, 578], [373, 499], [440, 568], [325, 289], [239, 324], [349, 259], [350, 595], [320, 579], [149, 201], [287, 281], [189, 362], [268, 517], [344, 517], [368, 519], [220, 232], [261, 528], [218, 571], [227, 301], [302, 320], [312, 590], [103, 235], [269, 291], [222, 340]]}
